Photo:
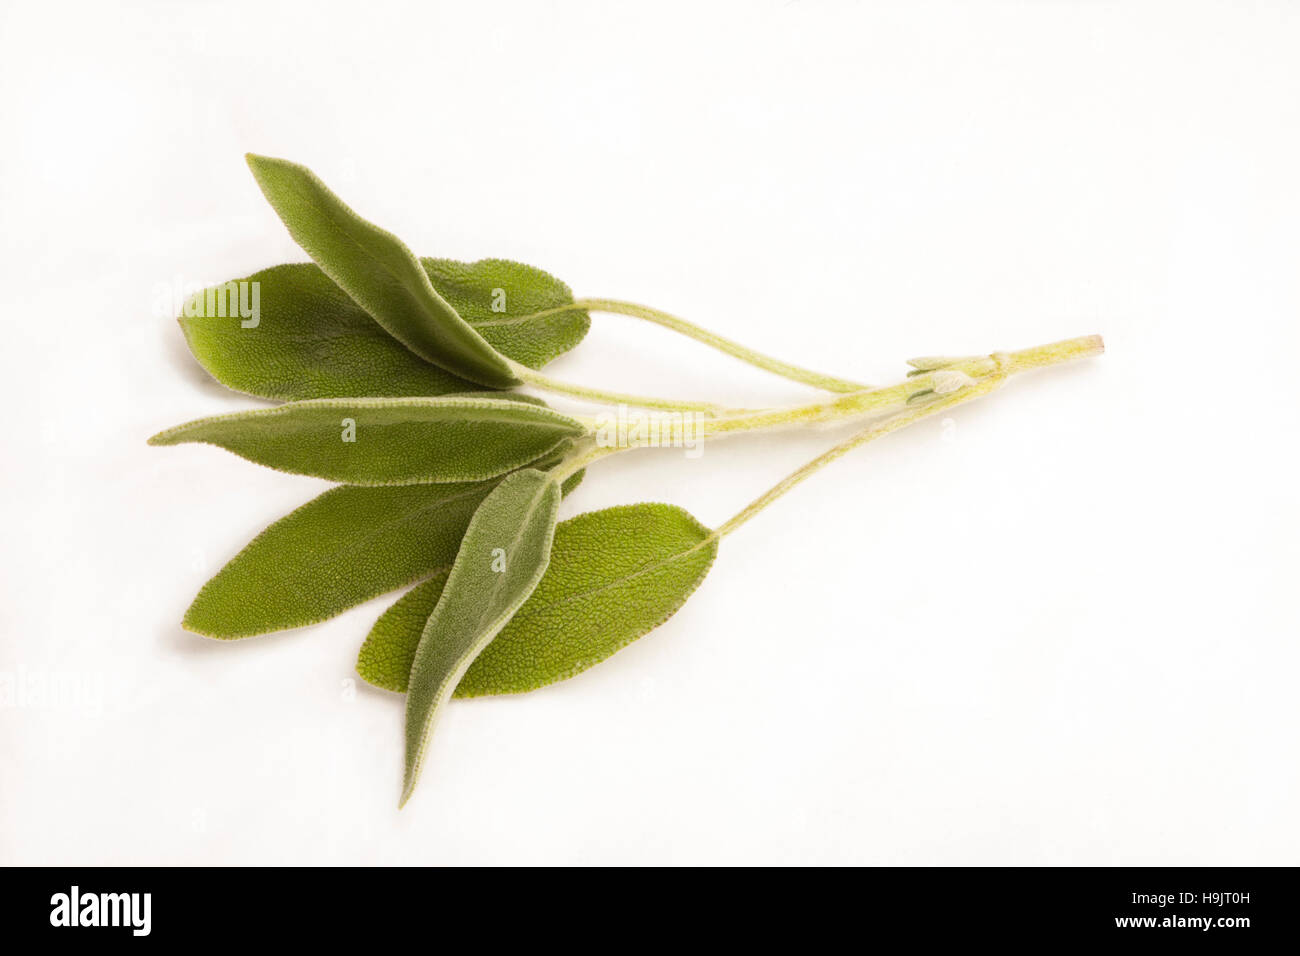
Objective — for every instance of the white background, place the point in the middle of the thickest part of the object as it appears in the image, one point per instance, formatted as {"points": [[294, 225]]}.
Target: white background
{"points": [[1058, 628]]}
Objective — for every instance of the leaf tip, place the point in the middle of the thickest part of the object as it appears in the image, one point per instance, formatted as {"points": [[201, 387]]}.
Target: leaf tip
{"points": [[254, 162], [188, 623], [261, 166], [205, 620], [169, 436]]}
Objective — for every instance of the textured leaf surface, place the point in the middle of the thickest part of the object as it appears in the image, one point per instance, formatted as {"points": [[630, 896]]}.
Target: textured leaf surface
{"points": [[614, 576], [394, 440], [520, 291], [377, 270], [343, 547], [340, 549], [501, 559], [311, 340]]}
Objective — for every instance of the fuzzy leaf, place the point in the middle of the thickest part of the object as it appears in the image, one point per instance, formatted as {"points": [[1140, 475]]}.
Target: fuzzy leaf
{"points": [[386, 441], [311, 340], [376, 269], [502, 557], [520, 291], [614, 576], [343, 547]]}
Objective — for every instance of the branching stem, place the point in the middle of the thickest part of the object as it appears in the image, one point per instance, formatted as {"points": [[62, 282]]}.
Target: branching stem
{"points": [[871, 433], [919, 397]]}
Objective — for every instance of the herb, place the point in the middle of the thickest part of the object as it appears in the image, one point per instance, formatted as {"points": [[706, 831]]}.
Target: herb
{"points": [[614, 576], [320, 344], [379, 272], [387, 441], [502, 557], [342, 548], [399, 379]]}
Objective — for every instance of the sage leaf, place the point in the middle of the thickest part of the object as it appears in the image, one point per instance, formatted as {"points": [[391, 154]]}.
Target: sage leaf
{"points": [[388, 651], [342, 548], [311, 340], [387, 441], [501, 300], [614, 576], [376, 269], [501, 558]]}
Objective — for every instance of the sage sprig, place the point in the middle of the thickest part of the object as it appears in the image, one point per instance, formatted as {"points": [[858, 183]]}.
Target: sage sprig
{"points": [[399, 378]]}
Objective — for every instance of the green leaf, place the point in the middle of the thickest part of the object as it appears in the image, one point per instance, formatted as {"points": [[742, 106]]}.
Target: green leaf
{"points": [[340, 549], [387, 441], [615, 575], [477, 290], [569, 484], [343, 547], [388, 651], [502, 557], [379, 272], [311, 340]]}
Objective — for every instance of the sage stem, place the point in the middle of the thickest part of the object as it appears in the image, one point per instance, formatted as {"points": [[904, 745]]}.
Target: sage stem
{"points": [[757, 359], [994, 370], [794, 373], [895, 397], [936, 390], [878, 430], [546, 383]]}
